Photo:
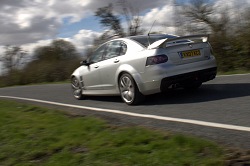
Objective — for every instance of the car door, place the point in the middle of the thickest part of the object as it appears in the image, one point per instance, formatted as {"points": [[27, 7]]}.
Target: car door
{"points": [[110, 63], [91, 73]]}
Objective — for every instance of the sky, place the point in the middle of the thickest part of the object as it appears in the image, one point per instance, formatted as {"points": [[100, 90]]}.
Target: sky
{"points": [[32, 23]]}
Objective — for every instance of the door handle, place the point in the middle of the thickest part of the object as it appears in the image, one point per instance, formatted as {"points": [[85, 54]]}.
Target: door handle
{"points": [[96, 66], [116, 60]]}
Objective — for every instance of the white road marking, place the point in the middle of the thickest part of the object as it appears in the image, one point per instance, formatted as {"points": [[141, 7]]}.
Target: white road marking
{"points": [[196, 122]]}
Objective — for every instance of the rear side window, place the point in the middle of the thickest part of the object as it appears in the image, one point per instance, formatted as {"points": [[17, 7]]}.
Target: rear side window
{"points": [[123, 48], [114, 49]]}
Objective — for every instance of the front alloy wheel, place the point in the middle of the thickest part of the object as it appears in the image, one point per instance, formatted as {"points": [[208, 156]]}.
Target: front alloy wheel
{"points": [[76, 87], [129, 91]]}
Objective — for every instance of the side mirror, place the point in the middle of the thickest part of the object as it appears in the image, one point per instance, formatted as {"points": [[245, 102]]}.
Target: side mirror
{"points": [[84, 63]]}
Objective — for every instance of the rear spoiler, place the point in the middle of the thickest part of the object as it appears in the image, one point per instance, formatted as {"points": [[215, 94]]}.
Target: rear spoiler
{"points": [[162, 42]]}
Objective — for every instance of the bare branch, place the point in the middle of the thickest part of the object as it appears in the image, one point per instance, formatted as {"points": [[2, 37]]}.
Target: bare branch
{"points": [[12, 57], [108, 19], [132, 17]]}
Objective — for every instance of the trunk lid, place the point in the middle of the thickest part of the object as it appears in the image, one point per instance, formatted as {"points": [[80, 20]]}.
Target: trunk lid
{"points": [[186, 49]]}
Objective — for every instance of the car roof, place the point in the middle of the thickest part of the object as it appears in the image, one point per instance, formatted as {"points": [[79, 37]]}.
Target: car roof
{"points": [[154, 35]]}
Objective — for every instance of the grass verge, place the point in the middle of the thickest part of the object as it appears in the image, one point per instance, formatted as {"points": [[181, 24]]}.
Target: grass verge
{"points": [[32, 135], [234, 72]]}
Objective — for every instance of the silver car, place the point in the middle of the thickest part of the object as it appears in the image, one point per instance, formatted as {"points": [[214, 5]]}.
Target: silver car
{"points": [[136, 66]]}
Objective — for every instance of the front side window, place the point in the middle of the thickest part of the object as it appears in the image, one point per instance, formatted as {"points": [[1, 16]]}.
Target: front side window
{"points": [[97, 55]]}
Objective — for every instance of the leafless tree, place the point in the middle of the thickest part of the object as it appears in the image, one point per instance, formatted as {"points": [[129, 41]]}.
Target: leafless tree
{"points": [[132, 18], [112, 20], [12, 58], [200, 16], [109, 20]]}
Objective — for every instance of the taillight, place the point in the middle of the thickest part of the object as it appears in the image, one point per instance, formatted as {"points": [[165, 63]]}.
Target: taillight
{"points": [[157, 59]]}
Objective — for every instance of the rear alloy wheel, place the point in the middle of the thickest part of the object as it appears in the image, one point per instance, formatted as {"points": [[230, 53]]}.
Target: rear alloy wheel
{"points": [[76, 87], [129, 90]]}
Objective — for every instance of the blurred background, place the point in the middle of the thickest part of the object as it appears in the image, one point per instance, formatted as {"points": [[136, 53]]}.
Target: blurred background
{"points": [[45, 41]]}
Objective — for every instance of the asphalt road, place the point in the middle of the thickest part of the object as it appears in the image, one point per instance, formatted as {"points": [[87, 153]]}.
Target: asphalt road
{"points": [[225, 100]]}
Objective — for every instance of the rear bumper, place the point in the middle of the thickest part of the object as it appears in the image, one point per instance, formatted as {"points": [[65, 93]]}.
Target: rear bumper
{"points": [[158, 78], [200, 76], [167, 82]]}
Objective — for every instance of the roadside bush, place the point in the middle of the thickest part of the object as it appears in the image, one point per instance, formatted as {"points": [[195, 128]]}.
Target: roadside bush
{"points": [[52, 63]]}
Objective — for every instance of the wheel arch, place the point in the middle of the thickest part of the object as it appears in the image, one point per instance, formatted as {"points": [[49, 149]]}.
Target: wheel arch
{"points": [[78, 77], [131, 71], [129, 90]]}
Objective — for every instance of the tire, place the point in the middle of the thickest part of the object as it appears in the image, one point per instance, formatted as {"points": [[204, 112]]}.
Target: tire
{"points": [[129, 91], [77, 89], [192, 85]]}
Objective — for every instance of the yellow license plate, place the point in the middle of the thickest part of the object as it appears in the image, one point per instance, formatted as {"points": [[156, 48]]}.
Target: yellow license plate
{"points": [[189, 54]]}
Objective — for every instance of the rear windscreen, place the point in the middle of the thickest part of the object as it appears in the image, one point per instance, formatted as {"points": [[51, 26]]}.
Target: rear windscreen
{"points": [[146, 41]]}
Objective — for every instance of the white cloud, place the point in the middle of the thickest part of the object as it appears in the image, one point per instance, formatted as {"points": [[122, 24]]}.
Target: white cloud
{"points": [[25, 21], [29, 47], [163, 17], [83, 40], [33, 23], [29, 21]]}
